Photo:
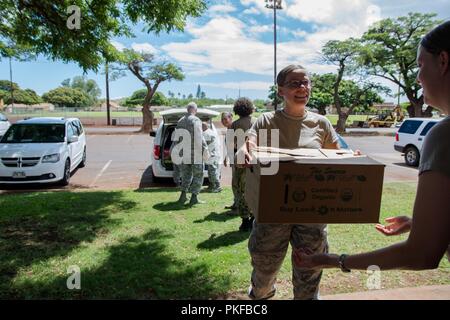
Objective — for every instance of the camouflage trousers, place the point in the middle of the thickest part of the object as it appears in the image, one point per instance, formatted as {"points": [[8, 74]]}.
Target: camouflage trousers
{"points": [[177, 174], [191, 178], [268, 245], [243, 209], [234, 185], [214, 174]]}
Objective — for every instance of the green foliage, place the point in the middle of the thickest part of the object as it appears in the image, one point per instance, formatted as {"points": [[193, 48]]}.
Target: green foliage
{"points": [[274, 97], [26, 96], [322, 91], [361, 96], [41, 26], [88, 86], [343, 53], [137, 99], [202, 103], [67, 97], [390, 49], [6, 85]]}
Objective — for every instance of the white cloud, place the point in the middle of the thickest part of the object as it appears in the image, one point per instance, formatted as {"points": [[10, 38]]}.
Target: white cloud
{"points": [[251, 11], [227, 44], [222, 45], [256, 7], [144, 48], [260, 29], [244, 85], [358, 14], [119, 46], [222, 8]]}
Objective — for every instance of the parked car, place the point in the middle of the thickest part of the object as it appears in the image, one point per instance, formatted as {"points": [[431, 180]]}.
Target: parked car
{"points": [[4, 124], [162, 166], [409, 138], [42, 150]]}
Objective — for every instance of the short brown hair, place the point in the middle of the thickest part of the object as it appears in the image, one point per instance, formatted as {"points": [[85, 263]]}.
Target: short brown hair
{"points": [[282, 75]]}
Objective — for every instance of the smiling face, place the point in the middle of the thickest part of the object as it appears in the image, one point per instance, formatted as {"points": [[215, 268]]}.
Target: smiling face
{"points": [[296, 89]]}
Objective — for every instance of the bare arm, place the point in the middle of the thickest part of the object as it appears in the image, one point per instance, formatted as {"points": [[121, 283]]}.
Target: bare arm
{"points": [[427, 242]]}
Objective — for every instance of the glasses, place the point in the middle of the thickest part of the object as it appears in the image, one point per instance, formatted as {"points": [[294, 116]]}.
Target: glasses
{"points": [[297, 84]]}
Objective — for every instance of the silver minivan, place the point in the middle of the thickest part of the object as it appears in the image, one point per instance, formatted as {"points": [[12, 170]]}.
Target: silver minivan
{"points": [[162, 166]]}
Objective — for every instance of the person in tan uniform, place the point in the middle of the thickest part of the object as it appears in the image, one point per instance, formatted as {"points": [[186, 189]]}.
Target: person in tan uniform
{"points": [[268, 243]]}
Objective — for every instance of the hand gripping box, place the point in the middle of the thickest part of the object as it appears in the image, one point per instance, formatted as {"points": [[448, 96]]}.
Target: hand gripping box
{"points": [[313, 186]]}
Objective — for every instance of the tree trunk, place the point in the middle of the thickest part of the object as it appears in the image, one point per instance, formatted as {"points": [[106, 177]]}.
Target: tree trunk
{"points": [[147, 114], [415, 107], [340, 128], [147, 119]]}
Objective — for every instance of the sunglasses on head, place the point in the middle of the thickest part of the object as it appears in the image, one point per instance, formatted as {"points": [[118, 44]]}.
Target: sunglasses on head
{"points": [[297, 84]]}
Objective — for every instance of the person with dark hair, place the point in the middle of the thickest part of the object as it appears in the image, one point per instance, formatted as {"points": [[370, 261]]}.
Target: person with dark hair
{"points": [[243, 107], [268, 243], [429, 227]]}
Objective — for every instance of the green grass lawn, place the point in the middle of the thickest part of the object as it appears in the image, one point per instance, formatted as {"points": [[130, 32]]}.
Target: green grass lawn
{"points": [[133, 114], [141, 244]]}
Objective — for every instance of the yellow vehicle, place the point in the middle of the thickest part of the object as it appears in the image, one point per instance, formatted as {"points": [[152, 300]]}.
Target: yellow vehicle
{"points": [[385, 119]]}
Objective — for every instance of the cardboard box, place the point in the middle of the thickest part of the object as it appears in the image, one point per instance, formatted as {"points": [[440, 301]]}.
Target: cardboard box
{"points": [[314, 186]]}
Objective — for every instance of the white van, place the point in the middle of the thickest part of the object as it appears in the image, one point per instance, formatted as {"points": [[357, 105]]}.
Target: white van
{"points": [[162, 166], [409, 138], [42, 150], [4, 124]]}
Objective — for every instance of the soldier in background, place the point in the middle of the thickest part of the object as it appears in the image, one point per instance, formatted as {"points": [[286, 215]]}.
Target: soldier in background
{"points": [[243, 107], [212, 140], [227, 121], [191, 168]]}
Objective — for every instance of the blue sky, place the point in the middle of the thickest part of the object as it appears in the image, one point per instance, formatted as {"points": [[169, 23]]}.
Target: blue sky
{"points": [[230, 48]]}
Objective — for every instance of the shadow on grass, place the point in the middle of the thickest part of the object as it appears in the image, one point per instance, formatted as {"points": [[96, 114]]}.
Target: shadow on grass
{"points": [[220, 217], [227, 239], [138, 268], [38, 226], [171, 206], [149, 181]]}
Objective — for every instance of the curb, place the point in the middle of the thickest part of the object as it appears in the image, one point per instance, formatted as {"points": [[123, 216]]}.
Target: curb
{"points": [[365, 134]]}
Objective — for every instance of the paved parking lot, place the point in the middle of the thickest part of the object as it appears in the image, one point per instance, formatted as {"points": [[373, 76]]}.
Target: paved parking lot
{"points": [[123, 161]]}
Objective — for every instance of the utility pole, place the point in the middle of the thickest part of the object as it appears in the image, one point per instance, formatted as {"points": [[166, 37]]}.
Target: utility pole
{"points": [[275, 5], [11, 86], [108, 112], [398, 92]]}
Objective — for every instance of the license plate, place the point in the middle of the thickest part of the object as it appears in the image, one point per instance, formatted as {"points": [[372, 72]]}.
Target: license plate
{"points": [[19, 174]]}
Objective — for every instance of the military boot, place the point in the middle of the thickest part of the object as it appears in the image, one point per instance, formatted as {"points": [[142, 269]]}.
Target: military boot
{"points": [[195, 200], [245, 225], [182, 198]]}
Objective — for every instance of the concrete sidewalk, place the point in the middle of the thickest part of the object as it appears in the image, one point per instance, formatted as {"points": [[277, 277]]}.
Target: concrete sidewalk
{"points": [[113, 130], [417, 293]]}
